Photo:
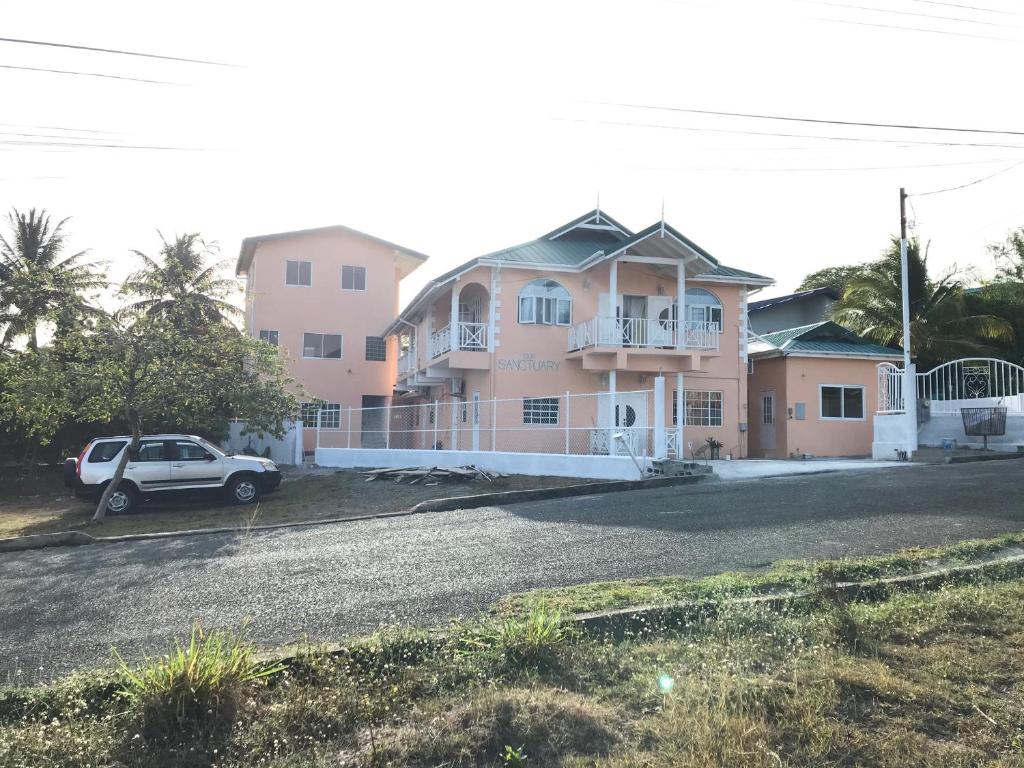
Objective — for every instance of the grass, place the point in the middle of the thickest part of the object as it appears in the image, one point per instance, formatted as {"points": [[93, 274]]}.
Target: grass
{"points": [[39, 503], [930, 677]]}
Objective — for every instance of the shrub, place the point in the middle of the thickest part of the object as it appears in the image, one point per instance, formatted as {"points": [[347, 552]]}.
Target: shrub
{"points": [[198, 684], [527, 643]]}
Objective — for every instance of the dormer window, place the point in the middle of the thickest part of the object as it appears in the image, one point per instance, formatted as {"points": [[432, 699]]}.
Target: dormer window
{"points": [[545, 302]]}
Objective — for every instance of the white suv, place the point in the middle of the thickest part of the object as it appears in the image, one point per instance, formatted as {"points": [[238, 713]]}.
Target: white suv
{"points": [[167, 463]]}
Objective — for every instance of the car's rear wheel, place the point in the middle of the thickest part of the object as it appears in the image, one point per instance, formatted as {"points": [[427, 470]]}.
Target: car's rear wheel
{"points": [[123, 500], [244, 489]]}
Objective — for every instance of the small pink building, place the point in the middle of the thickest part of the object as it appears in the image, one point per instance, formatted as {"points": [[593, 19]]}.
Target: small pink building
{"points": [[323, 296], [813, 392], [590, 307]]}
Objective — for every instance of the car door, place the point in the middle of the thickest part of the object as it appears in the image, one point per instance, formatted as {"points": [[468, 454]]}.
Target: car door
{"points": [[150, 467], [194, 466]]}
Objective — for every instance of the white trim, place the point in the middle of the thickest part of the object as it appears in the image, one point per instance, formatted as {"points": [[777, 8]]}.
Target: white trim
{"points": [[298, 285], [842, 400], [585, 224], [365, 278]]}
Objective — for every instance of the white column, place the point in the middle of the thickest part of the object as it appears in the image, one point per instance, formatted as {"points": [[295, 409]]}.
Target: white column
{"points": [[680, 305], [614, 333], [429, 348], [910, 404], [680, 417], [454, 327], [660, 436], [611, 413], [565, 416], [492, 309]]}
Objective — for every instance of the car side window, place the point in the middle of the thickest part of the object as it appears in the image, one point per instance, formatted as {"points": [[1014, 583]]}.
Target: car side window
{"points": [[152, 450], [188, 451], [104, 452]]}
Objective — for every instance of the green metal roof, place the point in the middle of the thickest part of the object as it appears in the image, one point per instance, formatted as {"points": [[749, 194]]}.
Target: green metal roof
{"points": [[825, 338]]}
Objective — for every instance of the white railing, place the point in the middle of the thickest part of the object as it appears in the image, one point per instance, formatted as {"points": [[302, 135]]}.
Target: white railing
{"points": [[440, 342], [972, 382], [890, 389], [472, 336], [640, 333], [407, 361]]}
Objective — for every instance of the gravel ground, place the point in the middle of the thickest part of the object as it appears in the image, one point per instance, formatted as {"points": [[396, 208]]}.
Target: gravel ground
{"points": [[64, 608]]}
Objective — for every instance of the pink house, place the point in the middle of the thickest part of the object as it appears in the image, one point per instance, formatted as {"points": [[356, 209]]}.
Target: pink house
{"points": [[590, 307], [323, 296]]}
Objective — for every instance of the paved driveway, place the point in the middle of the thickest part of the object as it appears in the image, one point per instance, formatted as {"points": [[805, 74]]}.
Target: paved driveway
{"points": [[64, 608]]}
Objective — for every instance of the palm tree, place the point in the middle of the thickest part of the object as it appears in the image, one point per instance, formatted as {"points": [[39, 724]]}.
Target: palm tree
{"points": [[184, 289], [940, 327], [37, 283]]}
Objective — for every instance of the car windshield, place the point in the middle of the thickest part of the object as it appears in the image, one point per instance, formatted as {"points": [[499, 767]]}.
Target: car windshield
{"points": [[209, 446]]}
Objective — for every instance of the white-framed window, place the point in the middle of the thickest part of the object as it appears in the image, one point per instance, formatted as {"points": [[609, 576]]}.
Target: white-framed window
{"points": [[842, 401], [376, 349], [322, 346], [540, 410], [330, 415], [703, 306], [545, 302], [353, 278], [298, 273], [271, 337], [703, 408], [308, 413]]}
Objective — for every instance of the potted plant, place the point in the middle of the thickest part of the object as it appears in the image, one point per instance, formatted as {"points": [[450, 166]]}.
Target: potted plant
{"points": [[715, 446]]}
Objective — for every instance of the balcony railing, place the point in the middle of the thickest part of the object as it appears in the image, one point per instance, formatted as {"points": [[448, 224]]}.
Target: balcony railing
{"points": [[407, 361], [640, 333], [472, 338]]}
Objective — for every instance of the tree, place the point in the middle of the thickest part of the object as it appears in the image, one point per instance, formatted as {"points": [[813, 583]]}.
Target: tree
{"points": [[1009, 257], [39, 284], [182, 288], [145, 373], [836, 278], [940, 326]]}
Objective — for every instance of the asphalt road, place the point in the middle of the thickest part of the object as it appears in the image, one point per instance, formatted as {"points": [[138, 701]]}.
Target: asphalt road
{"points": [[65, 608]]}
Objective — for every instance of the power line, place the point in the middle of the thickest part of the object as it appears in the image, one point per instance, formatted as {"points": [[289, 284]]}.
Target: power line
{"points": [[113, 51], [915, 29], [57, 128], [736, 131], [26, 143], [88, 74], [833, 4], [970, 183], [818, 121], [966, 7], [830, 170]]}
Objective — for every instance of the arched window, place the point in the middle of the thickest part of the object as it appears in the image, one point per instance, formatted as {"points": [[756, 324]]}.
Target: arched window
{"points": [[703, 307], [545, 302]]}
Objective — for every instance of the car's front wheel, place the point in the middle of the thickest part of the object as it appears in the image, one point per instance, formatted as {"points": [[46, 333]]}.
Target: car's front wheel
{"points": [[244, 489], [123, 500]]}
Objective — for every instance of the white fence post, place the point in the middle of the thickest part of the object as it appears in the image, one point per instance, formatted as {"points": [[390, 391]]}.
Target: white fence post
{"points": [[567, 422], [437, 415], [660, 438], [299, 453], [387, 426], [494, 424], [348, 428]]}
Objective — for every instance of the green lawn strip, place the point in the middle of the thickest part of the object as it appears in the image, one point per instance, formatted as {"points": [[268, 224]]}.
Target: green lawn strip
{"points": [[781, 577], [930, 677]]}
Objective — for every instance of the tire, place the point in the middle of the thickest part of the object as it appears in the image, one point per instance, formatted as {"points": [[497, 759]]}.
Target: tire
{"points": [[123, 501], [243, 489]]}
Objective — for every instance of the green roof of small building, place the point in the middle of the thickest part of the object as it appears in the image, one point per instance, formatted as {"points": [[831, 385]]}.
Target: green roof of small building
{"points": [[826, 338]]}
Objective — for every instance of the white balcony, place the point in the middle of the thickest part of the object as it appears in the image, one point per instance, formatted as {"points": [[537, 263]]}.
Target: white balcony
{"points": [[407, 361], [640, 333], [471, 337]]}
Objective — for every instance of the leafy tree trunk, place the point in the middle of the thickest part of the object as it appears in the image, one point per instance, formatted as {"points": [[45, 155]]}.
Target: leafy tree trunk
{"points": [[132, 449]]}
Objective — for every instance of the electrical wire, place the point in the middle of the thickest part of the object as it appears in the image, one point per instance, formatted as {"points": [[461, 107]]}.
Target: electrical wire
{"points": [[950, 33], [966, 7], [20, 41], [818, 121], [87, 74], [26, 143], [970, 183], [833, 4]]}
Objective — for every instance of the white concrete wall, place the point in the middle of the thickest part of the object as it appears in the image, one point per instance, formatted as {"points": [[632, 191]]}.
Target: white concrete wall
{"points": [[1013, 403], [287, 450], [538, 464], [951, 425], [889, 436]]}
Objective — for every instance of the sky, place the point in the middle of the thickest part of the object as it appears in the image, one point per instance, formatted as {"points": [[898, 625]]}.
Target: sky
{"points": [[458, 128]]}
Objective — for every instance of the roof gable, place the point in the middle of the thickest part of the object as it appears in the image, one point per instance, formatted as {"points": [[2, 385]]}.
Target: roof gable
{"points": [[825, 338], [592, 221]]}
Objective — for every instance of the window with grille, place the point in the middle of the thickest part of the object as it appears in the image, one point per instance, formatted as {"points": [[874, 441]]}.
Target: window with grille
{"points": [[269, 336], [842, 402], [703, 408], [376, 349], [330, 415], [325, 346], [308, 413], [299, 273], [540, 410], [353, 278], [545, 302]]}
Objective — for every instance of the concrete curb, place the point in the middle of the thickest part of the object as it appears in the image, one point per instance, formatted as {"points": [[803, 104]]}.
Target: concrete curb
{"points": [[75, 538], [972, 459]]}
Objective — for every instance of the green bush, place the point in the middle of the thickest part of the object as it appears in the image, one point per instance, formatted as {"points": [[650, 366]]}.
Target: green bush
{"points": [[197, 684]]}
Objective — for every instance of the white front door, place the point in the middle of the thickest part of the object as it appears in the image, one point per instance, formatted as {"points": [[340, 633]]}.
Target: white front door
{"points": [[659, 310], [767, 417], [609, 327], [630, 420]]}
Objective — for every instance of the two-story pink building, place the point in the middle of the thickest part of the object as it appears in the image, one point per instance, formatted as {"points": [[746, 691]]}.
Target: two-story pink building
{"points": [[324, 297], [590, 307]]}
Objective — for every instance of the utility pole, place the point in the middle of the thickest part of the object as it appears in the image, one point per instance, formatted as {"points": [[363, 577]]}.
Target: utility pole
{"points": [[909, 371]]}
